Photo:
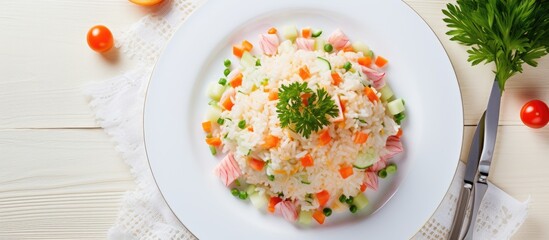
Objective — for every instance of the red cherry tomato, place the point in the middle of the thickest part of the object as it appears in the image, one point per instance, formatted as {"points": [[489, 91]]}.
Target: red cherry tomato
{"points": [[100, 38], [535, 114], [146, 2]]}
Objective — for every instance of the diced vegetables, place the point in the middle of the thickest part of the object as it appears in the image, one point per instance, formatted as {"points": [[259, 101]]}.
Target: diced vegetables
{"points": [[305, 217], [323, 197], [238, 51], [353, 208], [215, 91], [289, 32], [213, 113], [319, 216], [399, 133], [247, 46], [227, 63], [391, 168], [236, 81], [360, 201], [259, 200], [365, 61], [347, 66], [345, 171], [381, 61], [323, 64], [213, 141], [272, 203], [363, 187], [247, 60], [207, 126], [272, 30], [304, 72], [336, 79], [382, 173], [327, 212], [328, 47], [361, 47], [250, 189], [273, 95], [306, 32], [371, 94], [256, 164], [213, 150], [386, 93], [366, 159], [271, 141], [226, 72], [360, 138], [242, 124], [307, 160], [396, 106], [324, 137], [319, 44]]}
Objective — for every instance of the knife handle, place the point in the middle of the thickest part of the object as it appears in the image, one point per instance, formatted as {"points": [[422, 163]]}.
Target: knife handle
{"points": [[480, 191], [461, 209]]}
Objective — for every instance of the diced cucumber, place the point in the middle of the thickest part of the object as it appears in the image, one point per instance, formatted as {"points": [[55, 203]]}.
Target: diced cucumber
{"points": [[360, 201], [213, 113], [366, 159], [259, 200], [215, 90], [247, 60], [396, 106], [391, 168], [250, 189], [305, 217], [213, 150], [305, 179], [319, 44], [361, 47], [386, 93], [289, 32], [323, 64]]}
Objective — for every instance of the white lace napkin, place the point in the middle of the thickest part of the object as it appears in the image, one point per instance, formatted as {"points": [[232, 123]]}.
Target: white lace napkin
{"points": [[118, 105]]}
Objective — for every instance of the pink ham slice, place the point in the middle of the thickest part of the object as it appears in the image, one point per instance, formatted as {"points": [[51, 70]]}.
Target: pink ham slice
{"points": [[375, 76], [393, 146], [371, 180], [339, 40], [228, 170], [286, 209], [305, 44], [381, 164], [269, 43]]}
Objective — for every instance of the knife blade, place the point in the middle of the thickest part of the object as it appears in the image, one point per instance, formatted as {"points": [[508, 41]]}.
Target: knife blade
{"points": [[490, 135], [468, 181]]}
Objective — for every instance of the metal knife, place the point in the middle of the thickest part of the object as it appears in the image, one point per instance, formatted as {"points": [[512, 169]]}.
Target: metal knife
{"points": [[469, 179], [490, 133]]}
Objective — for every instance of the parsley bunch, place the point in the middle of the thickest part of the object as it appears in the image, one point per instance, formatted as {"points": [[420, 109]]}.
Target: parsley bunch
{"points": [[506, 32], [304, 114]]}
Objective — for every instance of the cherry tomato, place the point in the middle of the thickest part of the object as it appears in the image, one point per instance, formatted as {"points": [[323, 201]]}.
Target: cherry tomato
{"points": [[535, 114], [100, 38], [146, 2]]}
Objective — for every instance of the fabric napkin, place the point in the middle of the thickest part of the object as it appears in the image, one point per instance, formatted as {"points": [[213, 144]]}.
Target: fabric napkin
{"points": [[118, 106]]}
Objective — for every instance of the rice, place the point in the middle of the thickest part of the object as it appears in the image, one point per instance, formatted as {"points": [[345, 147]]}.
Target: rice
{"points": [[251, 104]]}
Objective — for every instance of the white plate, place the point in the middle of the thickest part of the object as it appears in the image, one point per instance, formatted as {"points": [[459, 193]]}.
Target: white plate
{"points": [[419, 71]]}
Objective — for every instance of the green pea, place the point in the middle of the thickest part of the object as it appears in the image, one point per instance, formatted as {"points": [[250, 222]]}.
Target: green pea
{"points": [[342, 198], [242, 124], [243, 195], [353, 208], [226, 72], [227, 63], [327, 211], [382, 173], [235, 192], [258, 62], [271, 177], [220, 121], [328, 47], [222, 81], [347, 66], [350, 200], [391, 168]]}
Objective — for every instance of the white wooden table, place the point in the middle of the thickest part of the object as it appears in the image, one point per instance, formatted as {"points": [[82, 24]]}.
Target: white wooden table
{"points": [[60, 176]]}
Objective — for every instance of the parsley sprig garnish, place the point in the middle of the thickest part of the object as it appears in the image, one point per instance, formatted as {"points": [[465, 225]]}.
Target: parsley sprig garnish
{"points": [[303, 110], [506, 32]]}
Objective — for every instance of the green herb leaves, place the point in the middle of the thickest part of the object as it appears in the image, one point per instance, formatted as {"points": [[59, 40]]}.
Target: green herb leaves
{"points": [[506, 32], [303, 110]]}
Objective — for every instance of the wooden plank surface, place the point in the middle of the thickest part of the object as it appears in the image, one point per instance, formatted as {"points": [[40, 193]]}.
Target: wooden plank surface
{"points": [[60, 177]]}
